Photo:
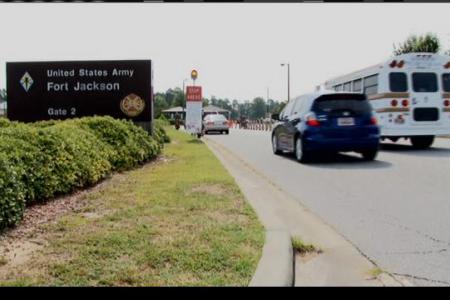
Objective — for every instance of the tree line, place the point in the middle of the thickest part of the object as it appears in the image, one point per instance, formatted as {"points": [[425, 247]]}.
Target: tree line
{"points": [[255, 109], [260, 108]]}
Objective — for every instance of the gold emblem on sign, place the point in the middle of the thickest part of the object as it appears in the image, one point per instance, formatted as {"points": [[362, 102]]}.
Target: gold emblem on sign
{"points": [[132, 105]]}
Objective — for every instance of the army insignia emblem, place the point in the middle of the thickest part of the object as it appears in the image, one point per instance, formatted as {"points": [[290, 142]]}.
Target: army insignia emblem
{"points": [[132, 105]]}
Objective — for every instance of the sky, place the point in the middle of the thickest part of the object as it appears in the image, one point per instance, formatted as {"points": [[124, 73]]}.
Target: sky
{"points": [[237, 48]]}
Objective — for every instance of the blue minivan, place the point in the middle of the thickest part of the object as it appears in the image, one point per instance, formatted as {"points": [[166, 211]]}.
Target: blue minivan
{"points": [[326, 122]]}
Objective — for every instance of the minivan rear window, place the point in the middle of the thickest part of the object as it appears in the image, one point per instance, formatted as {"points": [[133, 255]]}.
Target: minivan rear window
{"points": [[357, 104], [424, 82]]}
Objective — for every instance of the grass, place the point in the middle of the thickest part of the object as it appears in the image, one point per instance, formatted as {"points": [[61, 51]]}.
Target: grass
{"points": [[302, 248], [183, 222], [375, 272]]}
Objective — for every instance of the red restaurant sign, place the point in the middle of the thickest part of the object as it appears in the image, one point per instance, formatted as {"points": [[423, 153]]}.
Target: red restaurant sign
{"points": [[193, 93]]}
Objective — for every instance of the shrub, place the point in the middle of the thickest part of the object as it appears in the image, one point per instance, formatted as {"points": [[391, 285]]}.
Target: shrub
{"points": [[4, 122], [162, 121], [41, 160], [130, 143], [159, 131], [12, 201], [20, 145]]}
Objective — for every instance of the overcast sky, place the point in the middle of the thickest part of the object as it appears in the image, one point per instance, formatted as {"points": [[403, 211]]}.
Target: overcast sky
{"points": [[236, 48]]}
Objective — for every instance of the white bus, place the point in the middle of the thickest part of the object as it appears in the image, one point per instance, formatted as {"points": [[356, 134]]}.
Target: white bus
{"points": [[410, 94]]}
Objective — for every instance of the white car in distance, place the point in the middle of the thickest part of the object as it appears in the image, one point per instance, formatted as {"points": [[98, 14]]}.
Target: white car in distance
{"points": [[215, 122]]}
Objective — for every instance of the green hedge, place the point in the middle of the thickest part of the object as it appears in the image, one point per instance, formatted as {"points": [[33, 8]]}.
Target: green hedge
{"points": [[159, 130], [41, 160]]}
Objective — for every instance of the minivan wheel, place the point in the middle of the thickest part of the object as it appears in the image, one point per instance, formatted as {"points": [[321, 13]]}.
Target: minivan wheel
{"points": [[369, 154], [275, 145], [300, 154], [422, 142]]}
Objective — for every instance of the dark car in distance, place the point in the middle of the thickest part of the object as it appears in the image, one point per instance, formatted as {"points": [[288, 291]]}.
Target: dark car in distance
{"points": [[326, 122]]}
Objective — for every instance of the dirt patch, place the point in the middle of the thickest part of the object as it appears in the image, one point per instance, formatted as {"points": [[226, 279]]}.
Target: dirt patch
{"points": [[228, 218], [159, 160], [92, 215], [212, 189], [306, 256], [19, 252], [43, 213], [19, 243]]}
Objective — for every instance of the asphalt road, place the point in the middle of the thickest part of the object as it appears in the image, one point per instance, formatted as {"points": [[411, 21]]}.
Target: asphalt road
{"points": [[396, 209]]}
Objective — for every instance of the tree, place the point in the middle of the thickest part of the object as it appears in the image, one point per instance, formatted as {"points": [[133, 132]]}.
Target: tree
{"points": [[425, 43], [244, 109], [160, 104], [178, 99], [213, 101], [234, 109], [258, 108], [280, 107]]}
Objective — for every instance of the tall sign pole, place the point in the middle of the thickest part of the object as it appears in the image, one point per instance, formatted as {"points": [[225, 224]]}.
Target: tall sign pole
{"points": [[194, 107], [194, 75]]}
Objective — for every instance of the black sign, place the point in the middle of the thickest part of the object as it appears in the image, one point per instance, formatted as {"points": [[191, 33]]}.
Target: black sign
{"points": [[72, 89]]}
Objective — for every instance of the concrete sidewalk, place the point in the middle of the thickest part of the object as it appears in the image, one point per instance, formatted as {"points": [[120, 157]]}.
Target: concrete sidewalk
{"points": [[339, 264]]}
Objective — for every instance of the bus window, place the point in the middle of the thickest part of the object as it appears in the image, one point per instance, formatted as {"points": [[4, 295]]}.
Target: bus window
{"points": [[357, 87], [371, 84], [348, 87], [424, 82], [398, 82], [446, 82], [338, 88]]}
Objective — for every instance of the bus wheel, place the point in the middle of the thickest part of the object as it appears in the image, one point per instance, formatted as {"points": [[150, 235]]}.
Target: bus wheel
{"points": [[422, 142]]}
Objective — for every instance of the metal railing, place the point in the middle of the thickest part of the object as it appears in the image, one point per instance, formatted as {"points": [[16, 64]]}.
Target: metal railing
{"points": [[262, 125]]}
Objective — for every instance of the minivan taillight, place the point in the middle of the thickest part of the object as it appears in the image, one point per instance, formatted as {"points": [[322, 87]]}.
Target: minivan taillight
{"points": [[373, 120]]}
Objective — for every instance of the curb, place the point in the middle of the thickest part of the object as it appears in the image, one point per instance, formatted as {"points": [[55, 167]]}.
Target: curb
{"points": [[341, 264], [276, 266]]}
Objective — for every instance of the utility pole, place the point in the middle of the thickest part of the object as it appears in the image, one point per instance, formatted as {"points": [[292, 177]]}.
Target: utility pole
{"points": [[184, 94], [288, 80]]}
